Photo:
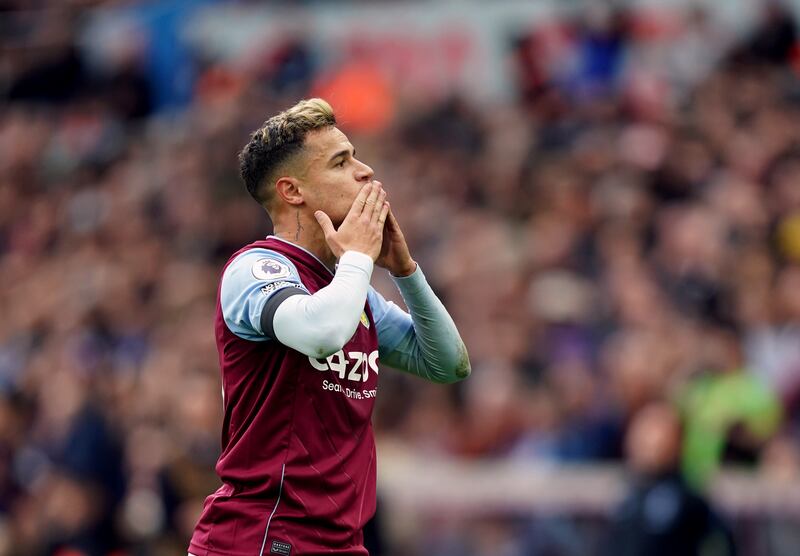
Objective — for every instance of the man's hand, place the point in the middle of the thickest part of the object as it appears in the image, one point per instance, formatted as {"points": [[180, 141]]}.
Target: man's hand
{"points": [[394, 255], [362, 228]]}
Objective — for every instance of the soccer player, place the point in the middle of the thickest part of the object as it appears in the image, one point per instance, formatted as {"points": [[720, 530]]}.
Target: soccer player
{"points": [[300, 337]]}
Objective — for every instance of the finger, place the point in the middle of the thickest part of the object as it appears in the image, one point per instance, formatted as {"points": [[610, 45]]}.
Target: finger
{"points": [[324, 223], [381, 202], [391, 220], [383, 214], [372, 199], [361, 199]]}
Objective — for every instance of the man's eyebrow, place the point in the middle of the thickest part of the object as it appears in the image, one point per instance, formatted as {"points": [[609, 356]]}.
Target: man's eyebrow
{"points": [[343, 152]]}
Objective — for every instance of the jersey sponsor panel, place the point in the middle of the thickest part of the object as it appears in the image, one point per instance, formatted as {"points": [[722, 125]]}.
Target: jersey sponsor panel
{"points": [[348, 370], [355, 366]]}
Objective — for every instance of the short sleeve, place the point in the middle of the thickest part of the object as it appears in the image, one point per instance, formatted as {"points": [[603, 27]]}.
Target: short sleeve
{"points": [[250, 280], [392, 324]]}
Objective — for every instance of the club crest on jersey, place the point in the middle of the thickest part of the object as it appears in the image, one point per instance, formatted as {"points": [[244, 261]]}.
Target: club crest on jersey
{"points": [[364, 320], [270, 269]]}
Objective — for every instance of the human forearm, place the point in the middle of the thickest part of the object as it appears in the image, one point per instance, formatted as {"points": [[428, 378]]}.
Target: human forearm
{"points": [[320, 324], [432, 348]]}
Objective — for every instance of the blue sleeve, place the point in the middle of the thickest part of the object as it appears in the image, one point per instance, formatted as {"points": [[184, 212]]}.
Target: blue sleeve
{"points": [[248, 283], [425, 341], [394, 326]]}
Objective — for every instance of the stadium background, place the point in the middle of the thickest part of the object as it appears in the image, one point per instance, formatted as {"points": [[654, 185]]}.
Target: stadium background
{"points": [[607, 197]]}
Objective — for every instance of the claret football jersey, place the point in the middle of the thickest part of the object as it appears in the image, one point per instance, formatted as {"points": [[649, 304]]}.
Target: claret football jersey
{"points": [[298, 454]]}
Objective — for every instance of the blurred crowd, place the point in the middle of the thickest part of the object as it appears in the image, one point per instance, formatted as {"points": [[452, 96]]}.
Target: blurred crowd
{"points": [[612, 238]]}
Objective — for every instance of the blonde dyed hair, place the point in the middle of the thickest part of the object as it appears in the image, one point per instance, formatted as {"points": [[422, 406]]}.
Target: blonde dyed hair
{"points": [[277, 142]]}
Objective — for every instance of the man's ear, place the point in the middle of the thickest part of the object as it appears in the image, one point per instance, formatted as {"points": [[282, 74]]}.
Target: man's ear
{"points": [[288, 190]]}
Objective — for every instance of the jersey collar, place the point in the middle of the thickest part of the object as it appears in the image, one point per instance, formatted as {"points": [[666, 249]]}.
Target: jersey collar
{"points": [[302, 249]]}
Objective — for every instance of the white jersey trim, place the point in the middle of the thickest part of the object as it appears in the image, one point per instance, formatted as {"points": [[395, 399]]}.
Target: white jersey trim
{"points": [[269, 520]]}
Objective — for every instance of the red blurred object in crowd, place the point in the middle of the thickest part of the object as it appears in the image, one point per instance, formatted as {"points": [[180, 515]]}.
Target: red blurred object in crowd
{"points": [[361, 96]]}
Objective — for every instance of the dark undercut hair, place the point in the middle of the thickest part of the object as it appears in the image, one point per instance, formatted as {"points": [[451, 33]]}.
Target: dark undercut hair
{"points": [[277, 141]]}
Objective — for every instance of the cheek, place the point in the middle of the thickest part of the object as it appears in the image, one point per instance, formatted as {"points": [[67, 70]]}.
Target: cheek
{"points": [[343, 202], [335, 194], [343, 192], [352, 189]]}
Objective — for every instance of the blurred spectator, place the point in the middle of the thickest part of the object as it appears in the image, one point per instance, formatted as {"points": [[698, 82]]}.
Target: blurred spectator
{"points": [[775, 40], [49, 67], [729, 412], [781, 466], [661, 515]]}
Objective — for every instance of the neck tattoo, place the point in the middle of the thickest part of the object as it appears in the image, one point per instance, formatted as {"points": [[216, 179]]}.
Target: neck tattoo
{"points": [[299, 228]]}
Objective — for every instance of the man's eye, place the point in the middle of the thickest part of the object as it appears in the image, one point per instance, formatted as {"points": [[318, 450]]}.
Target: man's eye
{"points": [[340, 164]]}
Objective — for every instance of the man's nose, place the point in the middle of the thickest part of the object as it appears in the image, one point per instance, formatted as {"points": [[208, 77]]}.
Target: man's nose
{"points": [[364, 172]]}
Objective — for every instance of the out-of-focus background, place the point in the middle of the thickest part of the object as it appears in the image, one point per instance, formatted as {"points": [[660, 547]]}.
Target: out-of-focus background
{"points": [[606, 196]]}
